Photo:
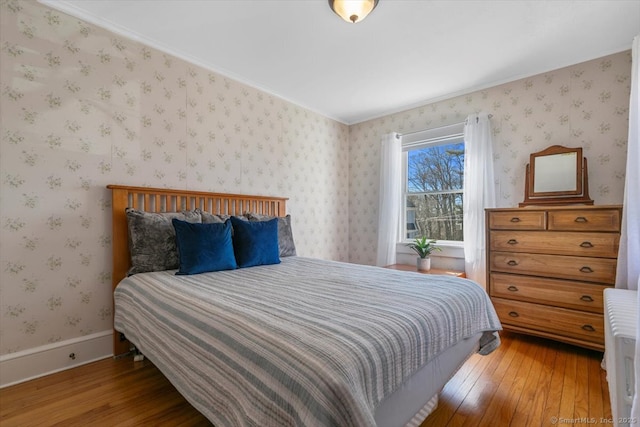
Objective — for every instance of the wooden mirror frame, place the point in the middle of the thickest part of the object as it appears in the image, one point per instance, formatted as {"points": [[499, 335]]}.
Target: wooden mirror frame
{"points": [[574, 194]]}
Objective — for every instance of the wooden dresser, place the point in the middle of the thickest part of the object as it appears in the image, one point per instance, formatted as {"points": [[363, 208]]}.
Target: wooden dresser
{"points": [[547, 268]]}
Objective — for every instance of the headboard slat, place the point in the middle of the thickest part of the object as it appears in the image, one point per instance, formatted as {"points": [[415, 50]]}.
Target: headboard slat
{"points": [[166, 200]]}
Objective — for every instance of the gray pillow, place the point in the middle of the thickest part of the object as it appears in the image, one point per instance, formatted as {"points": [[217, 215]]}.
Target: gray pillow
{"points": [[286, 244], [209, 218], [152, 239]]}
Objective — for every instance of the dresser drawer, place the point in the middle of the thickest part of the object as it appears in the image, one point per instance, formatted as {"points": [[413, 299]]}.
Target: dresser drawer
{"points": [[518, 220], [559, 293], [560, 321], [556, 242], [599, 270], [585, 220]]}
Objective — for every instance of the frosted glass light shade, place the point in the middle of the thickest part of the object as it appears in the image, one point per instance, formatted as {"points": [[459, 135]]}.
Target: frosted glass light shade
{"points": [[353, 10]]}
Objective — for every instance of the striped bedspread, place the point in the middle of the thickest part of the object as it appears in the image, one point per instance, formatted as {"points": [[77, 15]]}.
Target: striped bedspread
{"points": [[303, 343]]}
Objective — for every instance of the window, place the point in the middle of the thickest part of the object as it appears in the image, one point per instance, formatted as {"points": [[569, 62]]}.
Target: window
{"points": [[433, 183]]}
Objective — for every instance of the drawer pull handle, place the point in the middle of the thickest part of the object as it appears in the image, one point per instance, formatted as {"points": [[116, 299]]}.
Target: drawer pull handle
{"points": [[512, 242], [586, 269], [512, 288], [588, 328], [586, 298], [586, 245], [514, 262], [515, 219], [514, 314], [580, 219]]}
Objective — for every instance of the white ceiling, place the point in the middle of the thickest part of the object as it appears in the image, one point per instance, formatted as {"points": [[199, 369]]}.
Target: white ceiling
{"points": [[404, 54]]}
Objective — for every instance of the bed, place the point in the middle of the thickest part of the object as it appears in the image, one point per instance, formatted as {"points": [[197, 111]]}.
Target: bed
{"points": [[297, 342]]}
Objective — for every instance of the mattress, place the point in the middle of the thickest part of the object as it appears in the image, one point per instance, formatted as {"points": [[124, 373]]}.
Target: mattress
{"points": [[305, 342]]}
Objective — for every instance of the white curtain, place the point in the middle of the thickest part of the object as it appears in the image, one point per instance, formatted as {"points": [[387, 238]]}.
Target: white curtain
{"points": [[628, 273], [629, 253], [479, 193], [390, 200]]}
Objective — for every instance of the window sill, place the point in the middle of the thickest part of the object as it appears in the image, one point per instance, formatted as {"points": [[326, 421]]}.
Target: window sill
{"points": [[449, 249], [451, 256]]}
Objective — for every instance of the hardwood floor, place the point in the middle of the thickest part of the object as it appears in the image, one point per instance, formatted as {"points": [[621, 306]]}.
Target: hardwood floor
{"points": [[526, 382]]}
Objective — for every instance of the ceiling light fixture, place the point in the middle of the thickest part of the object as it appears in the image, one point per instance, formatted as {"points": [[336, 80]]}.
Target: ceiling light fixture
{"points": [[353, 10]]}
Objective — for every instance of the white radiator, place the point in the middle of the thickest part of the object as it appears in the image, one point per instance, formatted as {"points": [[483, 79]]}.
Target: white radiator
{"points": [[620, 314]]}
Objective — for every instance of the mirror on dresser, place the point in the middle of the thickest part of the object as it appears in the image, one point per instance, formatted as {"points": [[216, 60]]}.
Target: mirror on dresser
{"points": [[557, 175], [550, 260]]}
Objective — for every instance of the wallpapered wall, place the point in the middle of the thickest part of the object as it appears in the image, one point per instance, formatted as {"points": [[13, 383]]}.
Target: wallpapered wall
{"points": [[83, 108], [584, 105]]}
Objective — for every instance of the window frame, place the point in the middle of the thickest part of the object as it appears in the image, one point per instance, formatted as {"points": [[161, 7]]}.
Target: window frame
{"points": [[444, 135]]}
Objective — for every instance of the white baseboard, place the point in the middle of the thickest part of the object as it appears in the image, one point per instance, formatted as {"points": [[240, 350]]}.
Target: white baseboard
{"points": [[40, 361]]}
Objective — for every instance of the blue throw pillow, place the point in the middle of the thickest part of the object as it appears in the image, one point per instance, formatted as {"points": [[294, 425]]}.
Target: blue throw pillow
{"points": [[204, 247], [255, 243]]}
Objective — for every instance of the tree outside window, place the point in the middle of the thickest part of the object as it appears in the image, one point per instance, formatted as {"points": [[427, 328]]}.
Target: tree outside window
{"points": [[434, 188]]}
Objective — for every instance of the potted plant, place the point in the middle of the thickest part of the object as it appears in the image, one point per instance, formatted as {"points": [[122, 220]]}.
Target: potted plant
{"points": [[423, 247]]}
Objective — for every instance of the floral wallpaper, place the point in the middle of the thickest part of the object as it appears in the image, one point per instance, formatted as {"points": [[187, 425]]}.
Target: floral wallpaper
{"points": [[82, 108], [585, 105]]}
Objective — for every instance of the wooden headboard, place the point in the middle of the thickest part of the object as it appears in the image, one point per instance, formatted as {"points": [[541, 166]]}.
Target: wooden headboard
{"points": [[167, 200]]}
